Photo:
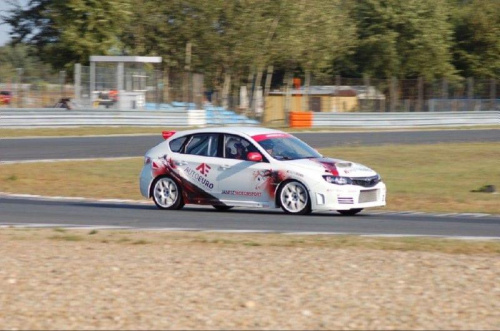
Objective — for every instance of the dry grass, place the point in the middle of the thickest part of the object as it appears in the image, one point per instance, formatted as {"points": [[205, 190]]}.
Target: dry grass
{"points": [[88, 131], [436, 177], [192, 239], [81, 131], [419, 177]]}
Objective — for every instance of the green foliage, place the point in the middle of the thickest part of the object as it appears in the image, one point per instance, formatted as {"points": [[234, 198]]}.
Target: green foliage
{"points": [[477, 39], [404, 38], [21, 56], [67, 32], [235, 38]]}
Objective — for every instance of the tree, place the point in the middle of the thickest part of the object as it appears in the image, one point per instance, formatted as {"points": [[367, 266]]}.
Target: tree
{"points": [[67, 32], [20, 56], [405, 39], [477, 38]]}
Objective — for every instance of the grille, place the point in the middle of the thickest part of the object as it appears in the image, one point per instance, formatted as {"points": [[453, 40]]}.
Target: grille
{"points": [[366, 181], [345, 201], [368, 196]]}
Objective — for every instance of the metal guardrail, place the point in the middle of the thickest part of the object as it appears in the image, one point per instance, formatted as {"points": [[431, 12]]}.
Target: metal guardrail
{"points": [[417, 119], [57, 117]]}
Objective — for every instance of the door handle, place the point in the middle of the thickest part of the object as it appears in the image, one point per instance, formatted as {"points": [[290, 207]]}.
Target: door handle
{"points": [[224, 167], [181, 163]]}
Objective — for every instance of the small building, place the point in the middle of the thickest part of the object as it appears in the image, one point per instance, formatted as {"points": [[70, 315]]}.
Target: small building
{"points": [[317, 99]]}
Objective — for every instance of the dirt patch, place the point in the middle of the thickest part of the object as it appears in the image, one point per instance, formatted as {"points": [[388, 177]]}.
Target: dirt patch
{"points": [[59, 279]]}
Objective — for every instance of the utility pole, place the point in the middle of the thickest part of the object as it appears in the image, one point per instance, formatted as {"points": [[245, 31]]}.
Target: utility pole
{"points": [[187, 71], [20, 72]]}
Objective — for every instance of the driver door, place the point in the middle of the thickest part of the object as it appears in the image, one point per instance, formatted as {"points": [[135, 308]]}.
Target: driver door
{"points": [[242, 182]]}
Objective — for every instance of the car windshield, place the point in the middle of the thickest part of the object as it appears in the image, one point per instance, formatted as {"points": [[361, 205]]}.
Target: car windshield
{"points": [[288, 148]]}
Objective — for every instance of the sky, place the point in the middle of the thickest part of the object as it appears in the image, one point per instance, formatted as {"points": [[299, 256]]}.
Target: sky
{"points": [[4, 28]]}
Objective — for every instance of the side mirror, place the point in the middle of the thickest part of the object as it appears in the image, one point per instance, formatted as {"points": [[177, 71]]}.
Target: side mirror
{"points": [[254, 157]]}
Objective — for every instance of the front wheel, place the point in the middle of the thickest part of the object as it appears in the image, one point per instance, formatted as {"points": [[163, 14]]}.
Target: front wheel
{"points": [[167, 194], [350, 212], [294, 198]]}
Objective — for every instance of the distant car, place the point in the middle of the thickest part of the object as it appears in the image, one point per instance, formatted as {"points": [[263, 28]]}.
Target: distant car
{"points": [[254, 167], [5, 97]]}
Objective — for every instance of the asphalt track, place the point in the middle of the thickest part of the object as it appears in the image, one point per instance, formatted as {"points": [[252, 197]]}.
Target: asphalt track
{"points": [[34, 212], [128, 146], [41, 212]]}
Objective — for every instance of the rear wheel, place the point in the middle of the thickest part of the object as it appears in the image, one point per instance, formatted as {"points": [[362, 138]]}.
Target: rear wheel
{"points": [[294, 198], [167, 194], [350, 212], [222, 208]]}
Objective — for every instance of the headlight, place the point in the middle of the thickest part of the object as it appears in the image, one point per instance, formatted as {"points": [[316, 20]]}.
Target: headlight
{"points": [[338, 180], [147, 160]]}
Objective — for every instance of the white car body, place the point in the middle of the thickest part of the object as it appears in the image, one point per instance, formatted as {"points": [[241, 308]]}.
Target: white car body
{"points": [[210, 175]]}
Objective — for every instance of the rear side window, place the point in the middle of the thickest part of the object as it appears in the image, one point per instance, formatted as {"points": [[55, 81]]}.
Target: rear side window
{"points": [[176, 144], [203, 144]]}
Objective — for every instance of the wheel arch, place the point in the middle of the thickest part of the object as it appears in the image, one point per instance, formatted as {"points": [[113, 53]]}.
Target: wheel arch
{"points": [[283, 183], [157, 178]]}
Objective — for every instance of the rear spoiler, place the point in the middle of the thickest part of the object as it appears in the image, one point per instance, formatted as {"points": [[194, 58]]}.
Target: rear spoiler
{"points": [[167, 134]]}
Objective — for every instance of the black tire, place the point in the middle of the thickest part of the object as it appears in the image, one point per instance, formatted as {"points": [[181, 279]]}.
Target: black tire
{"points": [[167, 194], [350, 212], [222, 208], [294, 198]]}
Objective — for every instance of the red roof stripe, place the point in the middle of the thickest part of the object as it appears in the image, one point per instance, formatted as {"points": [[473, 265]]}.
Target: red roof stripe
{"points": [[266, 136]]}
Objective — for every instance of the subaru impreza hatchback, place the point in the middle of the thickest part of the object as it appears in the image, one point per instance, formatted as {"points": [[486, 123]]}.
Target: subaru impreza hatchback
{"points": [[254, 167]]}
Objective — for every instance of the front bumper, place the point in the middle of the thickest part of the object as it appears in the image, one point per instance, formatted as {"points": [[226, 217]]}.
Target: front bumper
{"points": [[344, 197]]}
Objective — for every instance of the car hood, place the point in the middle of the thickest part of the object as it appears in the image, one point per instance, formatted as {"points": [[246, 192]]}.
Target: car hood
{"points": [[333, 166]]}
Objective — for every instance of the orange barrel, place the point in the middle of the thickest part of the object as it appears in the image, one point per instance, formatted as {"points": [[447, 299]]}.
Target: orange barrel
{"points": [[301, 119]]}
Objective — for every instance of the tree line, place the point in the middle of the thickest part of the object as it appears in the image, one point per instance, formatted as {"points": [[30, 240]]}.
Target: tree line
{"points": [[232, 40]]}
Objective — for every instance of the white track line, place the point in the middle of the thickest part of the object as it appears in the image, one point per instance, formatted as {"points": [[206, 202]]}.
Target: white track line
{"points": [[111, 227], [68, 160]]}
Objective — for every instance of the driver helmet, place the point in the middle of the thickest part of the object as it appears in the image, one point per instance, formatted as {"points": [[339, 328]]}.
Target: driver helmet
{"points": [[235, 148], [268, 145]]}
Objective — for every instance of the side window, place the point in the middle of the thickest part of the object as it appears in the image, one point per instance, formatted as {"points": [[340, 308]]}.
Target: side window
{"points": [[236, 147], [203, 144], [176, 144]]}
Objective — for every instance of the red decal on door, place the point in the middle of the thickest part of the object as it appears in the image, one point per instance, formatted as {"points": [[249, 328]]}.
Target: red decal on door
{"points": [[203, 169]]}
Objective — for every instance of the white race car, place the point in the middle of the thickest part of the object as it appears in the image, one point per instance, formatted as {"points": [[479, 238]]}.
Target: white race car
{"points": [[254, 167]]}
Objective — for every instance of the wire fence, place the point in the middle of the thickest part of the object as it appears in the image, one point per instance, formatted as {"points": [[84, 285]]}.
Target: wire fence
{"points": [[164, 89]]}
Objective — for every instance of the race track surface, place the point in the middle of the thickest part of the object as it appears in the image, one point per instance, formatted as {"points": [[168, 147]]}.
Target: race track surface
{"points": [[42, 212], [128, 146], [36, 212]]}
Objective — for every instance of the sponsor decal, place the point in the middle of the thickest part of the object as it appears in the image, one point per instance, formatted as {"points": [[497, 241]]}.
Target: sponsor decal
{"points": [[191, 193], [204, 169], [242, 193], [199, 178], [294, 173], [268, 180]]}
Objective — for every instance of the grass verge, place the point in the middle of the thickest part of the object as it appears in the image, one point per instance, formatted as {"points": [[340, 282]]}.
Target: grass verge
{"points": [[97, 131], [257, 241], [431, 178]]}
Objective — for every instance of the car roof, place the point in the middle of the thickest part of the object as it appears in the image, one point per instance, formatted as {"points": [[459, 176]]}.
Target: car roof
{"points": [[246, 130]]}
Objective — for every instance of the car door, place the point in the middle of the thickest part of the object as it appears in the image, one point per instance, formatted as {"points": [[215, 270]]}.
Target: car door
{"points": [[195, 164], [242, 182]]}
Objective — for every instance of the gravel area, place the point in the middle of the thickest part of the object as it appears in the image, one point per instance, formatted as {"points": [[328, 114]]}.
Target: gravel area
{"points": [[57, 280]]}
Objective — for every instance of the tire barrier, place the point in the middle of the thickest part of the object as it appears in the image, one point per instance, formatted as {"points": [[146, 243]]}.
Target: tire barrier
{"points": [[301, 119]]}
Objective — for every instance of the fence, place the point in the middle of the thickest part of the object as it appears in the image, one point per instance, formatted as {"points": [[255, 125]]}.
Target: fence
{"points": [[161, 88], [400, 120], [53, 117], [56, 117]]}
